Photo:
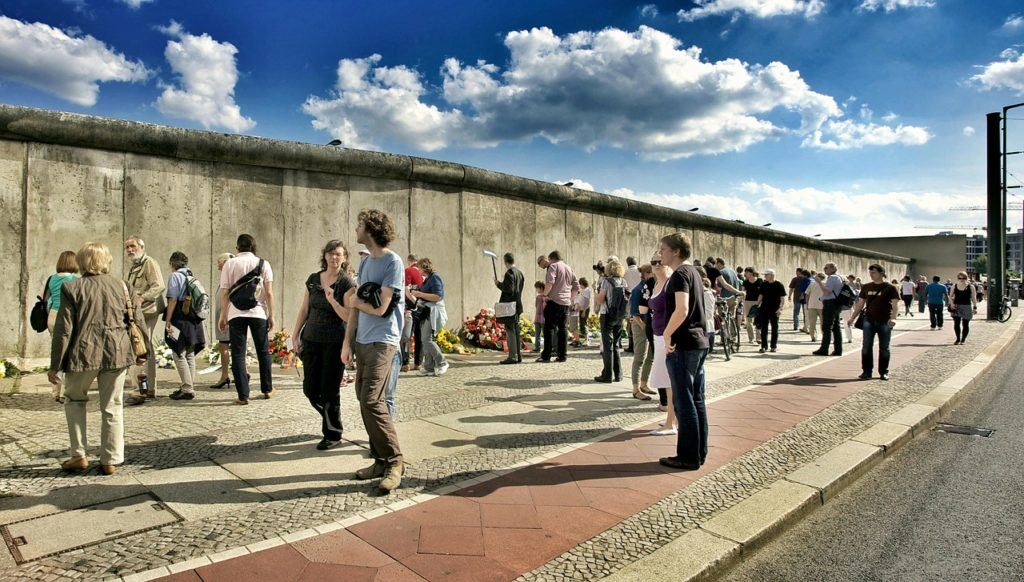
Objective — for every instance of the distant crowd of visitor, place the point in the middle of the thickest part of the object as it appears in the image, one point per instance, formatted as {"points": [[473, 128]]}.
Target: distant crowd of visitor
{"points": [[368, 315]]}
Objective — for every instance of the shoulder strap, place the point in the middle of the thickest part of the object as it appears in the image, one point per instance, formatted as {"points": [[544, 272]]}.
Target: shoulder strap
{"points": [[128, 303], [46, 287]]}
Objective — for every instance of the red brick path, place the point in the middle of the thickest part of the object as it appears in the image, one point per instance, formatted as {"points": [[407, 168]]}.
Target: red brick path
{"points": [[510, 525]]}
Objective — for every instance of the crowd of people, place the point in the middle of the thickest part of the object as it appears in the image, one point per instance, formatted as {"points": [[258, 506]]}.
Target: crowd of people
{"points": [[382, 316]]}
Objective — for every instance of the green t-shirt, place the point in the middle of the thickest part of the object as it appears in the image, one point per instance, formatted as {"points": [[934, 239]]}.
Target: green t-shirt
{"points": [[56, 282]]}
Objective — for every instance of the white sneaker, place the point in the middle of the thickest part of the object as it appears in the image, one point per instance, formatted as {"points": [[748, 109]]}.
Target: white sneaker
{"points": [[426, 372], [665, 432], [440, 371]]}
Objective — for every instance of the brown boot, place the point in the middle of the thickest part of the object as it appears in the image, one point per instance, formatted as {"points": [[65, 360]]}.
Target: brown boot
{"points": [[372, 472], [75, 464], [392, 477], [107, 469]]}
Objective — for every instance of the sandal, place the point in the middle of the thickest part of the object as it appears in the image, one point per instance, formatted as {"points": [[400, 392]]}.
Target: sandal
{"points": [[641, 396]]}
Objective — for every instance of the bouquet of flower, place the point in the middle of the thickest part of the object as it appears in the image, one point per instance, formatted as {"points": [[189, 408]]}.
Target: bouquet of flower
{"points": [[450, 343], [483, 330], [164, 355], [594, 323], [3, 369], [526, 330], [280, 352]]}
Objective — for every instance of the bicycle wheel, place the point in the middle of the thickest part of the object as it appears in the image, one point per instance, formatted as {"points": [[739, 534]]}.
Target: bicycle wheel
{"points": [[726, 347], [1005, 314], [734, 335]]}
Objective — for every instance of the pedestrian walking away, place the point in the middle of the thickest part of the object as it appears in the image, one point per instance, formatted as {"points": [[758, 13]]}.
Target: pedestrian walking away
{"points": [[318, 336], [686, 343], [831, 333], [146, 286], [373, 334], [511, 287], [247, 308], [907, 290], [795, 295], [921, 292], [90, 342], [67, 270], [632, 277], [184, 331], [814, 308], [560, 289], [938, 298], [769, 308], [540, 301], [963, 304], [880, 303]]}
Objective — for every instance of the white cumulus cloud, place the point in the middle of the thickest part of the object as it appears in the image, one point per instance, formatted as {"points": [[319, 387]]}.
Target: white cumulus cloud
{"points": [[843, 134], [754, 8], [135, 4], [968, 131], [66, 65], [1014, 21], [576, 183], [1005, 74], [893, 5], [207, 73], [641, 91], [648, 11]]}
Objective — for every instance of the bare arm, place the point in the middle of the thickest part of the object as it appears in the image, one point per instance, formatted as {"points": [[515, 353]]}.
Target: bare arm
{"points": [[172, 302], [222, 296], [268, 290], [386, 294], [300, 320], [350, 327], [725, 285]]}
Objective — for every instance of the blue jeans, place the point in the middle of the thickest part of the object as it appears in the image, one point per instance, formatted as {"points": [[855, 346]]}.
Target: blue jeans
{"points": [[392, 386], [884, 333], [686, 373], [797, 308], [238, 328]]}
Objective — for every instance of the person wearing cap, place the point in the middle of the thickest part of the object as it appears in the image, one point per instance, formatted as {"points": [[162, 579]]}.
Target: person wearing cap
{"points": [[223, 337], [770, 301], [831, 332]]}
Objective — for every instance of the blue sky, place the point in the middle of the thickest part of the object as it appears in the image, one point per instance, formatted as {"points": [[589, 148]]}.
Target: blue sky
{"points": [[845, 117]]}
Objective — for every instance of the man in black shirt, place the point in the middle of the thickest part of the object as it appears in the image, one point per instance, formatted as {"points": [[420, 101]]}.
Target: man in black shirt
{"points": [[771, 298], [686, 346]]}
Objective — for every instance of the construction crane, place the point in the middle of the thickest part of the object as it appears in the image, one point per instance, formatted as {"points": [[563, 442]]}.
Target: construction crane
{"points": [[1009, 206]]}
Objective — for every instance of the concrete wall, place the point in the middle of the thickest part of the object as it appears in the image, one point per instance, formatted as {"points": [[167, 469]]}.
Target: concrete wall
{"points": [[67, 179], [933, 255]]}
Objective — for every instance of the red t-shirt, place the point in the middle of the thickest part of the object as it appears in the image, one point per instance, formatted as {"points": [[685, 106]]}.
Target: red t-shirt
{"points": [[413, 276]]}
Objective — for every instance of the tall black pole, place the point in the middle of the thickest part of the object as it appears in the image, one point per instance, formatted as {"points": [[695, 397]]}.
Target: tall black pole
{"points": [[996, 216]]}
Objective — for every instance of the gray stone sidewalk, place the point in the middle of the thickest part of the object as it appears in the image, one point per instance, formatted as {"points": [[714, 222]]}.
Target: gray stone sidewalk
{"points": [[238, 475]]}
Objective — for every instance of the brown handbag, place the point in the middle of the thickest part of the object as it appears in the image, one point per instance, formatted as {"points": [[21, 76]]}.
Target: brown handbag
{"points": [[138, 339]]}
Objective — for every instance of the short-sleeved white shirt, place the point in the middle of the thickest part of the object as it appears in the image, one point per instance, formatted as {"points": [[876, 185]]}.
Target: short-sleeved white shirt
{"points": [[235, 269]]}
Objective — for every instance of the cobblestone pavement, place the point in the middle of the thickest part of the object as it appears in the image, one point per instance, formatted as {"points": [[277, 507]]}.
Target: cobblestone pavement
{"points": [[160, 436]]}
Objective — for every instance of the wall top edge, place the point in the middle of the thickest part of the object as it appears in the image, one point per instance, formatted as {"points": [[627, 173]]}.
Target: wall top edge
{"points": [[73, 129]]}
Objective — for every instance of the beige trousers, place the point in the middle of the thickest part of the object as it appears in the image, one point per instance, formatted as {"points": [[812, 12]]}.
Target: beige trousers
{"points": [[151, 359], [76, 397], [813, 322], [58, 389]]}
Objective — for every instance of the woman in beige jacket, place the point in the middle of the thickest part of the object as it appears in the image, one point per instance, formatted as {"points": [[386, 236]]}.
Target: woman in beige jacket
{"points": [[90, 342]]}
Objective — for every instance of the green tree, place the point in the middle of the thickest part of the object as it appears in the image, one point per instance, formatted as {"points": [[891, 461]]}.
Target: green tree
{"points": [[980, 264]]}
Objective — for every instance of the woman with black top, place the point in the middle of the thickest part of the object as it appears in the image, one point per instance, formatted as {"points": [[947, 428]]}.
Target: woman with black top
{"points": [[962, 305], [319, 335], [751, 291]]}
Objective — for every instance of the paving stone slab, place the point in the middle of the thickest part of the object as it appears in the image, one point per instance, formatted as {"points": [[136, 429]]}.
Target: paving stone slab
{"points": [[696, 555], [202, 490], [291, 471], [764, 513], [887, 435]]}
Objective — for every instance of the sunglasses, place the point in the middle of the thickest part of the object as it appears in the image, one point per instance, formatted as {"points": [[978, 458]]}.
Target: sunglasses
{"points": [[962, 278], [655, 263]]}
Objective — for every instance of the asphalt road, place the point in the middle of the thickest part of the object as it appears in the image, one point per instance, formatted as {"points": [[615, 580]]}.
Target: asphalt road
{"points": [[945, 507]]}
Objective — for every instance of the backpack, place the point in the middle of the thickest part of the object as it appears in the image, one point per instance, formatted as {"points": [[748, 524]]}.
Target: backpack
{"points": [[245, 293], [616, 304], [41, 311], [197, 300], [846, 296]]}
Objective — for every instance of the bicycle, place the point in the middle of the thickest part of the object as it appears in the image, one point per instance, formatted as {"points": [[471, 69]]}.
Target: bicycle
{"points": [[727, 327], [1005, 313]]}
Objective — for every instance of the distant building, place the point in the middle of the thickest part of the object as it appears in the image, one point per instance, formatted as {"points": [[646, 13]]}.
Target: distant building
{"points": [[941, 254], [977, 246]]}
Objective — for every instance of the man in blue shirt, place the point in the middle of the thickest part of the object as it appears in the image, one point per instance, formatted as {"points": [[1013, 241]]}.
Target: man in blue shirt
{"points": [[937, 294], [372, 336]]}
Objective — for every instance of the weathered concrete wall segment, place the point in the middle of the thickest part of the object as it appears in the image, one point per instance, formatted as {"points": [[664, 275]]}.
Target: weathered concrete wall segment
{"points": [[66, 179]]}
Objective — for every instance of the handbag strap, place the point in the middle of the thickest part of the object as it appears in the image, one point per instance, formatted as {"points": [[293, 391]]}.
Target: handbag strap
{"points": [[128, 303]]}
